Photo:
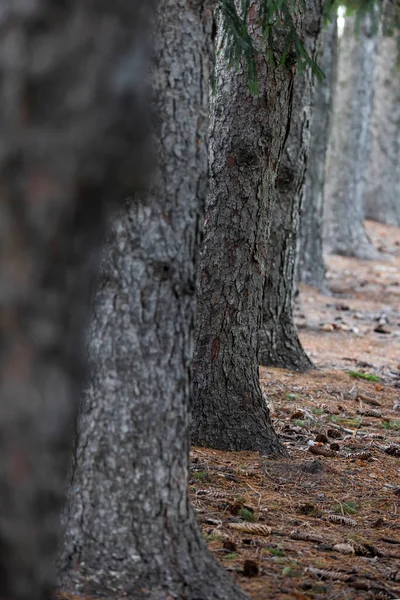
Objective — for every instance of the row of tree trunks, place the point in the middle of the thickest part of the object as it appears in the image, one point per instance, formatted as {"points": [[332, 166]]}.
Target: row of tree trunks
{"points": [[382, 189], [129, 527], [279, 342], [73, 139], [310, 268], [349, 143]]}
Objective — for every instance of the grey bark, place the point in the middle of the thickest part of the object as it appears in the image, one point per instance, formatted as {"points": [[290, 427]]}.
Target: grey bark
{"points": [[247, 135], [130, 530], [70, 112], [382, 188], [347, 162], [310, 268], [279, 342]]}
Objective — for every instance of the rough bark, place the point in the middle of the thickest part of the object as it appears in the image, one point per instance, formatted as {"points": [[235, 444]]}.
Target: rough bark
{"points": [[279, 342], [130, 529], [382, 188], [247, 135], [70, 111], [347, 162], [310, 267]]}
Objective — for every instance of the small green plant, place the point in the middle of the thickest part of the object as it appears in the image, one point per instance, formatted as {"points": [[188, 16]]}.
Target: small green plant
{"points": [[200, 475], [299, 422], [231, 555], [248, 515], [211, 537], [366, 376], [291, 396], [348, 508], [392, 424], [275, 551], [317, 411]]}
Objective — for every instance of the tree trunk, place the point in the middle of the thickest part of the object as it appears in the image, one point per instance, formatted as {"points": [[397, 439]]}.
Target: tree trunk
{"points": [[344, 231], [382, 189], [130, 529], [247, 135], [310, 267], [279, 342], [64, 131]]}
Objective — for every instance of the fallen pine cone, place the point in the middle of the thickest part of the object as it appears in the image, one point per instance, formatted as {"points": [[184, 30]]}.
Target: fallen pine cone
{"points": [[393, 451], [320, 451], [344, 548], [255, 528], [342, 520], [334, 433], [370, 412], [359, 455]]}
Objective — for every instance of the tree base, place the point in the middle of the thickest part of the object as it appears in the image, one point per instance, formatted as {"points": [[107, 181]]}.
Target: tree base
{"points": [[184, 569], [281, 348]]}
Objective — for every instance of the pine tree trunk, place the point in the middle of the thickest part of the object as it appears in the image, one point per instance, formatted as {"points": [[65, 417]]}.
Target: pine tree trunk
{"points": [[344, 231], [247, 135], [310, 267], [66, 122], [130, 530], [279, 342], [382, 189]]}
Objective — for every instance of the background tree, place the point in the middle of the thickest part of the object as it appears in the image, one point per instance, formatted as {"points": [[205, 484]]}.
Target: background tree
{"points": [[279, 342], [310, 268], [344, 231], [382, 188], [72, 140], [130, 529], [247, 135]]}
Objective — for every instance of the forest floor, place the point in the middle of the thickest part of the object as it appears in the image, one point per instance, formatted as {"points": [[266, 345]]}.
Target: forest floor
{"points": [[325, 522]]}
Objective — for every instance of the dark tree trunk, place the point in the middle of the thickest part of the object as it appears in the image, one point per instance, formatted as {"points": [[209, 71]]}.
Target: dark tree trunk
{"points": [[347, 161], [130, 529], [382, 188], [70, 111], [310, 267], [279, 342], [246, 140]]}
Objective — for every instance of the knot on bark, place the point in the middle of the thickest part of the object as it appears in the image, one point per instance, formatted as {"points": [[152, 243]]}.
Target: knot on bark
{"points": [[246, 156]]}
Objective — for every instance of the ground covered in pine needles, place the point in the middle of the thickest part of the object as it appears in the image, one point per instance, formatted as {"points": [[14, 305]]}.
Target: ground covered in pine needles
{"points": [[325, 522]]}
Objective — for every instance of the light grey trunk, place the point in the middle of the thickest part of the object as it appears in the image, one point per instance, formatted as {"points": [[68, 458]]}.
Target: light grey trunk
{"points": [[347, 163], [382, 189], [279, 342], [70, 110], [247, 135], [310, 263], [130, 530]]}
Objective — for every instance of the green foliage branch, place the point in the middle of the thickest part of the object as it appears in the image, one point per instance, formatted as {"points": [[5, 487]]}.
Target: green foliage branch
{"points": [[237, 42]]}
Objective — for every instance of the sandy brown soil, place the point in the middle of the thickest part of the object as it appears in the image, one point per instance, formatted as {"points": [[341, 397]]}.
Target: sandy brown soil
{"points": [[325, 522]]}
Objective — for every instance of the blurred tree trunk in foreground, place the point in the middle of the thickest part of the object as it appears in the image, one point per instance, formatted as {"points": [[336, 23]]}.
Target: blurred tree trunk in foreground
{"points": [[279, 341], [382, 189], [72, 102], [130, 528], [348, 151], [247, 135], [310, 263]]}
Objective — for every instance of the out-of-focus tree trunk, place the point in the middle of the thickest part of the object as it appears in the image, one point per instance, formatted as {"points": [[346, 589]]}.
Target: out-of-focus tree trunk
{"points": [[130, 529], [72, 105], [279, 342], [382, 189], [347, 162], [310, 263]]}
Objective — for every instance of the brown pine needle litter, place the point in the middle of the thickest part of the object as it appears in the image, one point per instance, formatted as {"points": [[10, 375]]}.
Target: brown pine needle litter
{"points": [[325, 522]]}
